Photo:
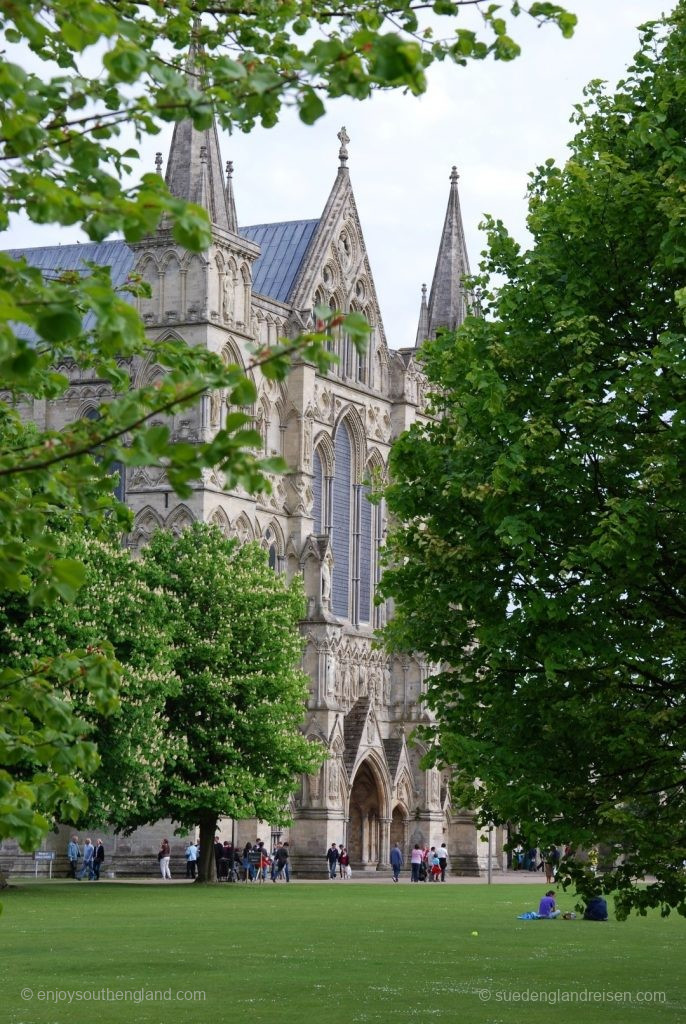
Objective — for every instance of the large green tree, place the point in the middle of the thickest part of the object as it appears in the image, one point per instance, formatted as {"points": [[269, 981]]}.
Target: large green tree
{"points": [[234, 726], [74, 75], [116, 611], [544, 508]]}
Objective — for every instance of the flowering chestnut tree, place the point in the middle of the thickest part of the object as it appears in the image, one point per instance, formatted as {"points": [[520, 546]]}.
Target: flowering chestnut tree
{"points": [[118, 746], [234, 735]]}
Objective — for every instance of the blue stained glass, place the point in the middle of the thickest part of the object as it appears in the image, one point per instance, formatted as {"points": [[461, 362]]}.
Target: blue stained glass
{"points": [[341, 522], [366, 518], [317, 504]]}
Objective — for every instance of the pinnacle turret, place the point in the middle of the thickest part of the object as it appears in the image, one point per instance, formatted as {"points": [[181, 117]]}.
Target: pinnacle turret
{"points": [[423, 327], [447, 305], [194, 169], [230, 201]]}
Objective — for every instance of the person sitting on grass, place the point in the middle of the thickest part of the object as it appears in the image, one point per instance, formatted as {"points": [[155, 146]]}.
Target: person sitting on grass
{"points": [[596, 909], [547, 905]]}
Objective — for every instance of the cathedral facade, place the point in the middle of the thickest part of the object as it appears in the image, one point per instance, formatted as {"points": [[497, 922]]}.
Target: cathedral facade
{"points": [[256, 284]]}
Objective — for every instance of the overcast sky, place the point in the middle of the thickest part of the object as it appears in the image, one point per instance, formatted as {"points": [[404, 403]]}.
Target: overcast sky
{"points": [[494, 121]]}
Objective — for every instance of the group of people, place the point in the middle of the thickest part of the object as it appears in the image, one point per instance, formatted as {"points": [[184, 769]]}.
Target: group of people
{"points": [[596, 910], [549, 861], [255, 863], [339, 862], [428, 864], [93, 857]]}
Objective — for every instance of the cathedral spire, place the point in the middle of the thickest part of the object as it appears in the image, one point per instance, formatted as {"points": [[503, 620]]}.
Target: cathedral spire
{"points": [[230, 201], [423, 328], [447, 305], [193, 174]]}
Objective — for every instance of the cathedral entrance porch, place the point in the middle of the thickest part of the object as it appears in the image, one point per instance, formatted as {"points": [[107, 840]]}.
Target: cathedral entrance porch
{"points": [[368, 828]]}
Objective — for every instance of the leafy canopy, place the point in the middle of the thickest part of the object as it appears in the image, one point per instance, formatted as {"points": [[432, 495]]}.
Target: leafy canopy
{"points": [[233, 729], [544, 509], [76, 77], [116, 611]]}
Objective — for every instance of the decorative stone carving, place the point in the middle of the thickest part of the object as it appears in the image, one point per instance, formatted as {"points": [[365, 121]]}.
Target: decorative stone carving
{"points": [[333, 780], [227, 298]]}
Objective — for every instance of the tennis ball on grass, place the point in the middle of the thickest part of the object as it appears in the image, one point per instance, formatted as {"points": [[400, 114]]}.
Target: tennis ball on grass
{"points": [[475, 933]]}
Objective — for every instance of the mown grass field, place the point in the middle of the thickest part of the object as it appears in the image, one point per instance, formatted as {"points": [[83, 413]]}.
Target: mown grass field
{"points": [[338, 953]]}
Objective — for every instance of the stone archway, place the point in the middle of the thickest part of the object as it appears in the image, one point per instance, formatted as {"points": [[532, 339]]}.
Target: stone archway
{"points": [[365, 833], [399, 829]]}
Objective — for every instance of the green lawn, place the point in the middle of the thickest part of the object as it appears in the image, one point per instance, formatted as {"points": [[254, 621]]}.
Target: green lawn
{"points": [[337, 954]]}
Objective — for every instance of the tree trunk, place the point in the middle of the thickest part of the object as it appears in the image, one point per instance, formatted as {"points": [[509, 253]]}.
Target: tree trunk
{"points": [[207, 871]]}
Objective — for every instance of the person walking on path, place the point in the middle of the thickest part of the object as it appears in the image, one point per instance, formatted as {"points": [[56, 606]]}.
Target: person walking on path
{"points": [[164, 856], [281, 863], [416, 862], [73, 854], [332, 858], [397, 861], [88, 851], [98, 859], [191, 859], [443, 859]]}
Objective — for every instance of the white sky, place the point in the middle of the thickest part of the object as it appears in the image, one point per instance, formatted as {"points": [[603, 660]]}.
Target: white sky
{"points": [[494, 121]]}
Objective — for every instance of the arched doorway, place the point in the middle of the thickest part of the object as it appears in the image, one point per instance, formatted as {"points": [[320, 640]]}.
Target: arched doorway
{"points": [[399, 829], [364, 830]]}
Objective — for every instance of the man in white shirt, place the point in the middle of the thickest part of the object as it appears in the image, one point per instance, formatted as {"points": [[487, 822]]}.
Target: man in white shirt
{"points": [[442, 859]]}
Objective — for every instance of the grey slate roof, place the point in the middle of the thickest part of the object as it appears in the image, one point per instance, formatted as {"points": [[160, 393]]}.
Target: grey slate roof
{"points": [[53, 259], [393, 748], [56, 258], [353, 727], [284, 247]]}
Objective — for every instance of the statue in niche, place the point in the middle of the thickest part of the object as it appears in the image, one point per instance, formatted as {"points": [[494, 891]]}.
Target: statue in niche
{"points": [[362, 681], [326, 583], [307, 441], [333, 780], [315, 785], [375, 685], [347, 685], [330, 674], [227, 297], [386, 686], [215, 409]]}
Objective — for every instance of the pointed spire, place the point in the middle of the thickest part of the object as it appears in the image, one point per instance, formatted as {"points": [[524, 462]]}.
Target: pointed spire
{"points": [[189, 175], [447, 306], [230, 201], [158, 164], [423, 328]]}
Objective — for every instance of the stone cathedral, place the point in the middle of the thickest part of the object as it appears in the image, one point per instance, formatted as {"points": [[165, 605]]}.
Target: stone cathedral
{"points": [[254, 284]]}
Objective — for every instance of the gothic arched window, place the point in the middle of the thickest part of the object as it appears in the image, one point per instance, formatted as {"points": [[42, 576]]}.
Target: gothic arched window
{"points": [[366, 554], [342, 522], [117, 471], [318, 503]]}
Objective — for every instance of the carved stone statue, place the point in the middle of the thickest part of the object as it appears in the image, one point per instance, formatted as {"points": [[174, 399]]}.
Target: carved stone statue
{"points": [[227, 297], [315, 784], [330, 670], [333, 780], [326, 583]]}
